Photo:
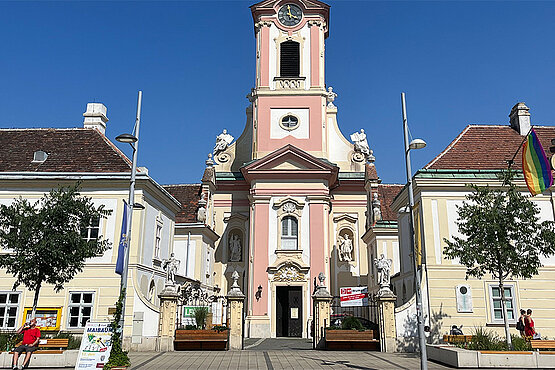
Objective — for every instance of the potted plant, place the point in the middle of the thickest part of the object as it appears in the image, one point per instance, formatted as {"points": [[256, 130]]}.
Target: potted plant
{"points": [[118, 357]]}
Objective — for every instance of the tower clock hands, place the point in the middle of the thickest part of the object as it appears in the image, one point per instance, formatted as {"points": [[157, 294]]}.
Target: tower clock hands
{"points": [[291, 16]]}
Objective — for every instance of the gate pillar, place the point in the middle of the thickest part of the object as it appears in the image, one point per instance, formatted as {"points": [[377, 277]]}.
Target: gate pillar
{"points": [[168, 315], [235, 301], [386, 317], [321, 300]]}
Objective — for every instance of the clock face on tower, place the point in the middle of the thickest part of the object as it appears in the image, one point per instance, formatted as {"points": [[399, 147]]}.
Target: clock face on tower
{"points": [[290, 15]]}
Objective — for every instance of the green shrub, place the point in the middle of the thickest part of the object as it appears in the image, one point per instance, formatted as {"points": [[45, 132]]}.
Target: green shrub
{"points": [[200, 314], [520, 344], [334, 327], [351, 323], [118, 357], [8, 340], [189, 327], [220, 328], [74, 342]]}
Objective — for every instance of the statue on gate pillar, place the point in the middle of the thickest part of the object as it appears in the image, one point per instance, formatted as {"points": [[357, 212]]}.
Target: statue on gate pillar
{"points": [[383, 265]]}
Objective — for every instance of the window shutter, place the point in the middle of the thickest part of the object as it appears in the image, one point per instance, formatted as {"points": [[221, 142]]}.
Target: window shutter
{"points": [[289, 59]]}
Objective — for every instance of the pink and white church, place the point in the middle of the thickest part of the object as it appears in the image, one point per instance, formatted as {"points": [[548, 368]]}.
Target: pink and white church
{"points": [[291, 197]]}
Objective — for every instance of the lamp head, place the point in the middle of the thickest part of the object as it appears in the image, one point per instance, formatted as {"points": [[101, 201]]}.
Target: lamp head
{"points": [[417, 144], [126, 138]]}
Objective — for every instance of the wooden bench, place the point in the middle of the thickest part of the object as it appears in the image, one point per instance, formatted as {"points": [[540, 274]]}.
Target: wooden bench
{"points": [[351, 340], [56, 345], [457, 338], [542, 344], [200, 339]]}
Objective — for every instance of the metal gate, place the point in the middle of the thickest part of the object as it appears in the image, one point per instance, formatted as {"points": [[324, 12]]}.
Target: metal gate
{"points": [[193, 296]]}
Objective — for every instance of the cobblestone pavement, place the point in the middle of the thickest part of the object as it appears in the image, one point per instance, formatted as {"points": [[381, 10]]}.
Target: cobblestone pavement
{"points": [[274, 360]]}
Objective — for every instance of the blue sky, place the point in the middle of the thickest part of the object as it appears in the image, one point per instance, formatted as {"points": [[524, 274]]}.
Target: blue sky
{"points": [[458, 62]]}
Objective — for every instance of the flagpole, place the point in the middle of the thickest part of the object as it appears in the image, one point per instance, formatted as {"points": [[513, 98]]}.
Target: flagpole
{"points": [[135, 146], [512, 160]]}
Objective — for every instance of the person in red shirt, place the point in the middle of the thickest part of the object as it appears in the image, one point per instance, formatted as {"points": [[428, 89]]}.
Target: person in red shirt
{"points": [[31, 337]]}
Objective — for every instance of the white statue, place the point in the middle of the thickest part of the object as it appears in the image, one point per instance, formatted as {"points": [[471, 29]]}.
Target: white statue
{"points": [[201, 214], [345, 248], [235, 248], [171, 265], [384, 268], [330, 97], [361, 144], [376, 209], [222, 142]]}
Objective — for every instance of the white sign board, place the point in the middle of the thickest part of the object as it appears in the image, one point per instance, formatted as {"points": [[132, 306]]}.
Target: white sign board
{"points": [[354, 296], [464, 298], [96, 344]]}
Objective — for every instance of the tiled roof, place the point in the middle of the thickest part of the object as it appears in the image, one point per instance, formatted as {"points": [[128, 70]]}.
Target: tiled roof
{"points": [[487, 147], [386, 195], [69, 150], [188, 195]]}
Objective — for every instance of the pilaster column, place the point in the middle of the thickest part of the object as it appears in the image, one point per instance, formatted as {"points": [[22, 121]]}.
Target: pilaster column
{"points": [[321, 300], [235, 300], [168, 315], [386, 317]]}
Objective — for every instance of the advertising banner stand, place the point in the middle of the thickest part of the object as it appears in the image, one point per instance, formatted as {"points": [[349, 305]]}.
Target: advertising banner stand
{"points": [[96, 344]]}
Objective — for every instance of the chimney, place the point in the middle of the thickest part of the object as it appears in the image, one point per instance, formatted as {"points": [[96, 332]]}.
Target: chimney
{"points": [[95, 117], [520, 118]]}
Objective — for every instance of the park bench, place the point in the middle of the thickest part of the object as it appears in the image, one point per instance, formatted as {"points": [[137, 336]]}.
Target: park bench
{"points": [[457, 338], [56, 345], [542, 344], [351, 340], [200, 339]]}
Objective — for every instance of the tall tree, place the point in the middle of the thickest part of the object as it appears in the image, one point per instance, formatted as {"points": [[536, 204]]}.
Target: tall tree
{"points": [[47, 242], [502, 236]]}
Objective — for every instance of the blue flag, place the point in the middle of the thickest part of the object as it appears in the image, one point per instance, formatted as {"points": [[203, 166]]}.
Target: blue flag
{"points": [[122, 241]]}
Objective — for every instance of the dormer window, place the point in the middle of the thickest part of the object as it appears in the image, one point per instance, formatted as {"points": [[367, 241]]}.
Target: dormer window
{"points": [[39, 156], [290, 59]]}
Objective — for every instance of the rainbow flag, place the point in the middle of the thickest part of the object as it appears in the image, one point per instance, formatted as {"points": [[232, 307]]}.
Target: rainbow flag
{"points": [[536, 167]]}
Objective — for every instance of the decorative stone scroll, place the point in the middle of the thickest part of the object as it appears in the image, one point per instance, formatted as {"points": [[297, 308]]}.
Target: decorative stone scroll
{"points": [[289, 273]]}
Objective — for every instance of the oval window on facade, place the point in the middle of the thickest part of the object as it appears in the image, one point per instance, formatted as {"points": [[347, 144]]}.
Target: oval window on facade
{"points": [[289, 122]]}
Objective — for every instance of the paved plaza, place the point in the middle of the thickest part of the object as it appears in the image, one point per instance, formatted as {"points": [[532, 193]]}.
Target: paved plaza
{"points": [[301, 359], [281, 353]]}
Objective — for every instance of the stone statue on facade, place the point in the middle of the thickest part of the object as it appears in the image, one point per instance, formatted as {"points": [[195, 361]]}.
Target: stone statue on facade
{"points": [[376, 209], [235, 248], [201, 211], [330, 97], [223, 140], [383, 265], [171, 265], [345, 248], [361, 145]]}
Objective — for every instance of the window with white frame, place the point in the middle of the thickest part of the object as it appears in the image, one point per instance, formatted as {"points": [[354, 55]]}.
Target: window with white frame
{"points": [[157, 241], [80, 309], [289, 233], [92, 231], [496, 304], [9, 304]]}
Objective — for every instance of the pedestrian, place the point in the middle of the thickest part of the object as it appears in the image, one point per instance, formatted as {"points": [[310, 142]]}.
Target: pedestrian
{"points": [[520, 323], [529, 328], [31, 337]]}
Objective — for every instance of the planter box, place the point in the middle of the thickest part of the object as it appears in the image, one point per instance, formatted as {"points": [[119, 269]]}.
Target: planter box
{"points": [[351, 340], [200, 339], [67, 358], [463, 358]]}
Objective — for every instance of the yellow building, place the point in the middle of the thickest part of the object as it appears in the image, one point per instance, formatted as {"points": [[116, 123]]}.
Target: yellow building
{"points": [[33, 161], [474, 157]]}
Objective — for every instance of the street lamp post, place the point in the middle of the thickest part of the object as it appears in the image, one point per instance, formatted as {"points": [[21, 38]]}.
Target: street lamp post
{"points": [[132, 140], [414, 144]]}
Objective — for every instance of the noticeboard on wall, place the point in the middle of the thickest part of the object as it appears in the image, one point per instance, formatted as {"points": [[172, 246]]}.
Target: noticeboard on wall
{"points": [[48, 318]]}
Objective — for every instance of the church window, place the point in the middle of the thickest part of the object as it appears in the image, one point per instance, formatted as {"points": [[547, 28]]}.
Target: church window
{"points": [[289, 55], [289, 122], [289, 233]]}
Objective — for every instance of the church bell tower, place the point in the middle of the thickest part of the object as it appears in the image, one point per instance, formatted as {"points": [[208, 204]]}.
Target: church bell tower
{"points": [[289, 98]]}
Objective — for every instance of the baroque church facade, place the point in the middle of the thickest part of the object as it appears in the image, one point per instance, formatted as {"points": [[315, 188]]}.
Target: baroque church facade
{"points": [[289, 197]]}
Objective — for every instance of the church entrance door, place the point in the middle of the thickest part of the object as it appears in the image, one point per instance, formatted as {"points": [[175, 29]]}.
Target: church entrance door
{"points": [[289, 311]]}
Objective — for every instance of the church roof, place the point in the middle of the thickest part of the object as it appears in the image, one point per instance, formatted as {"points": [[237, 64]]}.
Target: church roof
{"points": [[386, 195], [69, 150], [487, 147], [188, 195]]}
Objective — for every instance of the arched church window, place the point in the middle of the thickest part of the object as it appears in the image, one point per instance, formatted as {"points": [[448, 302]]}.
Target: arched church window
{"points": [[289, 233], [290, 59]]}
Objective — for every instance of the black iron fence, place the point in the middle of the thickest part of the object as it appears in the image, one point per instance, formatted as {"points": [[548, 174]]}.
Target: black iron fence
{"points": [[193, 297], [367, 314]]}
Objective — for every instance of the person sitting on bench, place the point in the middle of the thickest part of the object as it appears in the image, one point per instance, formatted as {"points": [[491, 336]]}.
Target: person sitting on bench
{"points": [[31, 337]]}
